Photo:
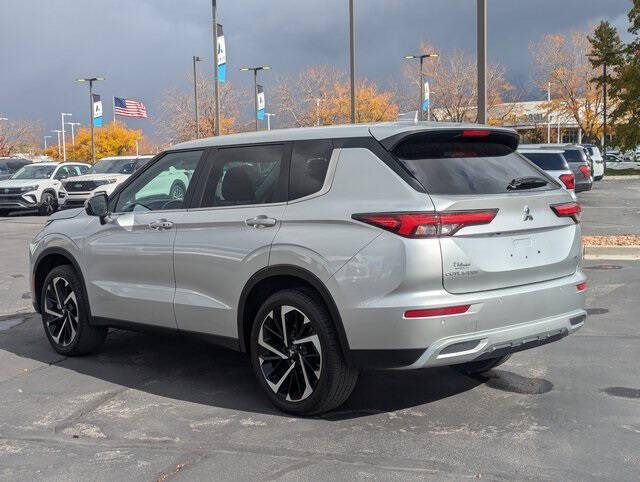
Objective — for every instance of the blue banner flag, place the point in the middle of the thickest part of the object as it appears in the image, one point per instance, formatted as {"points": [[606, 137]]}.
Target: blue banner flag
{"points": [[222, 56], [97, 111], [260, 102]]}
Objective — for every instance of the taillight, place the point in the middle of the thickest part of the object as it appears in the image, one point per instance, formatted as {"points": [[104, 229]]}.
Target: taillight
{"points": [[427, 224], [582, 286], [449, 310], [568, 180], [567, 210], [585, 171]]}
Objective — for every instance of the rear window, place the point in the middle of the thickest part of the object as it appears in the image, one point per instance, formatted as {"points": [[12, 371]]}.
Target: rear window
{"points": [[573, 155], [547, 161], [465, 166]]}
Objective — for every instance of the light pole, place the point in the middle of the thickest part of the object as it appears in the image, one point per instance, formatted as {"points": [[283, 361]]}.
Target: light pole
{"points": [[269, 116], [421, 57], [45, 141], [482, 61], [73, 137], [214, 14], [195, 93], [91, 80], [255, 87], [548, 113], [58, 131], [64, 144], [352, 61]]}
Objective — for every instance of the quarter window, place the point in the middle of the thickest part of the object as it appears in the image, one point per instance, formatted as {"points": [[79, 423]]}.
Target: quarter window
{"points": [[309, 164], [164, 186], [245, 175]]}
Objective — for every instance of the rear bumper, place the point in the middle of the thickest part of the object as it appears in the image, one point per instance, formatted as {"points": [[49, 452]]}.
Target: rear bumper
{"points": [[499, 341], [497, 322]]}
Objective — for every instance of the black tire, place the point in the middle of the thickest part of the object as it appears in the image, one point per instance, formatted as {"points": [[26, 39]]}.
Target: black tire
{"points": [[477, 367], [598, 178], [3, 213], [48, 204], [178, 190], [70, 333], [330, 379]]}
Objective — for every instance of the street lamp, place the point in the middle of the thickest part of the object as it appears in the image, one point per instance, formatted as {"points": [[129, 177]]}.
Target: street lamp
{"points": [[58, 131], [255, 86], [421, 57], [45, 141], [318, 100], [72, 124], [352, 61], [481, 47], [195, 93], [269, 116], [91, 80], [64, 144]]}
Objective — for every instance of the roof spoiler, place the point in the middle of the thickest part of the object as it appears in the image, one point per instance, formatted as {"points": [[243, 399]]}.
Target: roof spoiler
{"points": [[505, 137]]}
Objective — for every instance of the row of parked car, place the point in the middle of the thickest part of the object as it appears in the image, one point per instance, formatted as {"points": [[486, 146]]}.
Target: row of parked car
{"points": [[48, 186]]}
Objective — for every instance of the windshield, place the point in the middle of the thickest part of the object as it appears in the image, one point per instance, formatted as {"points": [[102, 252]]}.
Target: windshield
{"points": [[114, 166], [34, 172], [3, 167]]}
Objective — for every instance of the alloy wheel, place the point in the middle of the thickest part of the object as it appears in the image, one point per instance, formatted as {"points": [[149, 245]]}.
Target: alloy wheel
{"points": [[47, 202], [289, 353], [61, 311]]}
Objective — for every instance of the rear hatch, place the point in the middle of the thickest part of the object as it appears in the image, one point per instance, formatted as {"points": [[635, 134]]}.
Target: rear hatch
{"points": [[474, 170]]}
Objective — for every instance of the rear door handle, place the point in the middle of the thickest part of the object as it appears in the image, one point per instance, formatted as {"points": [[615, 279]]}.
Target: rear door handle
{"points": [[161, 225], [261, 221]]}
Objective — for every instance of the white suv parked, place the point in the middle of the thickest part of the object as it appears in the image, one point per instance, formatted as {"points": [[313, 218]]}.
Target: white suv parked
{"points": [[36, 186], [104, 176]]}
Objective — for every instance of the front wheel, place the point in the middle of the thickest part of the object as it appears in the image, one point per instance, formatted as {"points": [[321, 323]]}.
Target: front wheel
{"points": [[477, 367], [65, 314], [48, 204], [296, 356]]}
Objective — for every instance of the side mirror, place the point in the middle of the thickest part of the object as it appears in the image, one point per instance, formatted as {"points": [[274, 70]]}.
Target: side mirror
{"points": [[98, 205]]}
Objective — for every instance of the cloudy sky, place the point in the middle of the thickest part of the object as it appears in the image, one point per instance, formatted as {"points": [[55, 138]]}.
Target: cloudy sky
{"points": [[144, 47]]}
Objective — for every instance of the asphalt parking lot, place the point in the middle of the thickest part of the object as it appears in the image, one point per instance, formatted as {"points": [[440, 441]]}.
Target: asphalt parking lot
{"points": [[152, 407]]}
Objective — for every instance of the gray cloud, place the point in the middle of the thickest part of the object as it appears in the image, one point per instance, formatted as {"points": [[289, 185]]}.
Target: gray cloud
{"points": [[143, 47]]}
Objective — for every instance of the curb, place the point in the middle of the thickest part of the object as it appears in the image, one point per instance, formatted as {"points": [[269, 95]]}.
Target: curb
{"points": [[613, 177], [612, 252]]}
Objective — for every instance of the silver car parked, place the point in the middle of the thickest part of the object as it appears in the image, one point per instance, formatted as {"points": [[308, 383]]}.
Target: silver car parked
{"points": [[324, 251]]}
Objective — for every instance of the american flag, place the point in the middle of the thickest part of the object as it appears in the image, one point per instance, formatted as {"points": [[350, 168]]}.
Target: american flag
{"points": [[129, 108]]}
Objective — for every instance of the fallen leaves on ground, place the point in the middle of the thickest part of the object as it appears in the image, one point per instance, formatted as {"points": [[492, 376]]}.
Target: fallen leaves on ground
{"points": [[618, 240]]}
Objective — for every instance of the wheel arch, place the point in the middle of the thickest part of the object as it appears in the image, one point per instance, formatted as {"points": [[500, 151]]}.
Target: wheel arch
{"points": [[49, 259], [275, 278]]}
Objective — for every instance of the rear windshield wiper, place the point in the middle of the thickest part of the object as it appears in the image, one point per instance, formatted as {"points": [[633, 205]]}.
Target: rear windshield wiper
{"points": [[526, 183]]}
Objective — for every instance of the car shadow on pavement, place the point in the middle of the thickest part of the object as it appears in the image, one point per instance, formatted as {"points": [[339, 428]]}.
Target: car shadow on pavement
{"points": [[189, 368]]}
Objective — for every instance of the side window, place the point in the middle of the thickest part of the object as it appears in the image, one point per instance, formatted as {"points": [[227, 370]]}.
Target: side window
{"points": [[309, 163], [164, 186], [246, 175]]}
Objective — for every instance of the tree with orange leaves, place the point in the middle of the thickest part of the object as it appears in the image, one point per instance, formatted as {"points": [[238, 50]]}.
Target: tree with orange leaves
{"points": [[114, 139], [563, 60], [322, 95]]}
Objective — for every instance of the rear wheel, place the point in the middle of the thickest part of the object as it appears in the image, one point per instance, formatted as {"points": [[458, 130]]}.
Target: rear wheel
{"points": [[65, 314], [476, 367], [48, 204], [3, 213], [296, 356]]}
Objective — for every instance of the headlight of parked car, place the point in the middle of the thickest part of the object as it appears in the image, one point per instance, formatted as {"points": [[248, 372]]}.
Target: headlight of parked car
{"points": [[29, 188], [104, 181]]}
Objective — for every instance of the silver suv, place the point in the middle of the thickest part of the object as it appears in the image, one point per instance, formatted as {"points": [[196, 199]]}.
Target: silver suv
{"points": [[323, 251]]}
